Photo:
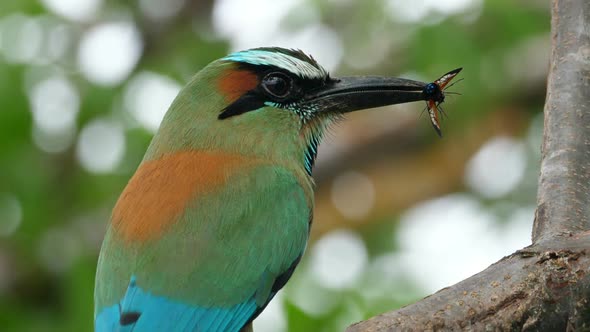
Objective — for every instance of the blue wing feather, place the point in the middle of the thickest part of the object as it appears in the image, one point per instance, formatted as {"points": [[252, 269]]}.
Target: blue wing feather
{"points": [[162, 314]]}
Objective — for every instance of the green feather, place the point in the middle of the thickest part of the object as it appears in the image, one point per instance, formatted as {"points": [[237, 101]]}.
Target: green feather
{"points": [[221, 248], [231, 244]]}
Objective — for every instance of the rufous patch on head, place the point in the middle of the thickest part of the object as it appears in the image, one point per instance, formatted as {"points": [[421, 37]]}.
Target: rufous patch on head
{"points": [[234, 83], [160, 190]]}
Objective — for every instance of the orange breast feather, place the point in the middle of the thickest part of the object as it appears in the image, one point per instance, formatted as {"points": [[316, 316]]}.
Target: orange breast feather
{"points": [[160, 189]]}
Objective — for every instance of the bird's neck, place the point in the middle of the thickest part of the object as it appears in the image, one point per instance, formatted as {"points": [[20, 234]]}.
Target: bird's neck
{"points": [[293, 148]]}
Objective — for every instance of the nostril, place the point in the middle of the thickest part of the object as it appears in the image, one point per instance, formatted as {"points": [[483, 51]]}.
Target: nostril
{"points": [[129, 317]]}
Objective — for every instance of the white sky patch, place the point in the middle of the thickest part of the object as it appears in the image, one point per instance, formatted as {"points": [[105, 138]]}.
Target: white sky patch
{"points": [[497, 168], [148, 96], [414, 11], [76, 10], [273, 318], [101, 146], [306, 291], [338, 259], [317, 40], [407, 11], [353, 195], [54, 142], [109, 52], [307, 294], [516, 232], [232, 19], [21, 38], [452, 6], [448, 239], [37, 40], [54, 103]]}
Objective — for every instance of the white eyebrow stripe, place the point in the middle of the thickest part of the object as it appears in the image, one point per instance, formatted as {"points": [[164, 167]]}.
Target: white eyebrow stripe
{"points": [[280, 60]]}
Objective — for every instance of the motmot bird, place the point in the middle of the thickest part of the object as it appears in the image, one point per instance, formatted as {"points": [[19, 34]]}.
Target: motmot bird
{"points": [[217, 216]]}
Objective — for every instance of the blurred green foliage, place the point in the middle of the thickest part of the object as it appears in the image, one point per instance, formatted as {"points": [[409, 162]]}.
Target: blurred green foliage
{"points": [[47, 265]]}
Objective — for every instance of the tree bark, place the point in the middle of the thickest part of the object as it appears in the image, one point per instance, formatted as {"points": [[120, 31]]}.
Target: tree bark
{"points": [[546, 286], [564, 183]]}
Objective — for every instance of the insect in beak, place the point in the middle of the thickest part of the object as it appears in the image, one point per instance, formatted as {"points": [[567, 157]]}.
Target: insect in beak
{"points": [[434, 95]]}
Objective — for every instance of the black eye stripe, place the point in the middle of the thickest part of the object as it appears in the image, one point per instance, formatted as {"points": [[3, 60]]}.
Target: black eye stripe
{"points": [[261, 96], [246, 103]]}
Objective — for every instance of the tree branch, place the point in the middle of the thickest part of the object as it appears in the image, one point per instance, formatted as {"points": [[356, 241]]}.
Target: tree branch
{"points": [[531, 290], [544, 287], [564, 183]]}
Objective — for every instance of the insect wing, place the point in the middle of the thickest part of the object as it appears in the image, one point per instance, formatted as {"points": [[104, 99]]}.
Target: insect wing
{"points": [[446, 78], [433, 114]]}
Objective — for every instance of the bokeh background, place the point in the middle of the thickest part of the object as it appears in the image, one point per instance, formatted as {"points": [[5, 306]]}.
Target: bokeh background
{"points": [[400, 213]]}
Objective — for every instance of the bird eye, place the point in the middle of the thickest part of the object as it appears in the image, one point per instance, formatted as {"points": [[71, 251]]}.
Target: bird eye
{"points": [[277, 84]]}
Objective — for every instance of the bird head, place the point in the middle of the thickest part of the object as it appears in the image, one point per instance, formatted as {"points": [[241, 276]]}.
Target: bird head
{"points": [[269, 103]]}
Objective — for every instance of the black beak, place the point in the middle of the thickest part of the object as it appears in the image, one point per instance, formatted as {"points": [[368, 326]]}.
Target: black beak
{"points": [[348, 94]]}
